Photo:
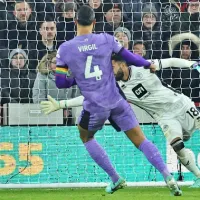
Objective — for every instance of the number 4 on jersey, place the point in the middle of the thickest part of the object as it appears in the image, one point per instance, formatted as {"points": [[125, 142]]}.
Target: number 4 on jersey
{"points": [[96, 73]]}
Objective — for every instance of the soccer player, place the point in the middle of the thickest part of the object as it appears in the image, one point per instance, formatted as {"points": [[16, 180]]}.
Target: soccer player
{"points": [[88, 58], [174, 112]]}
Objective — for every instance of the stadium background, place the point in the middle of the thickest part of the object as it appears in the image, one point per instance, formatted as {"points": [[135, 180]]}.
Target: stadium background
{"points": [[54, 154]]}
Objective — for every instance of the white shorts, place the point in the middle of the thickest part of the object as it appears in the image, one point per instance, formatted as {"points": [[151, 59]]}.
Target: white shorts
{"points": [[182, 124]]}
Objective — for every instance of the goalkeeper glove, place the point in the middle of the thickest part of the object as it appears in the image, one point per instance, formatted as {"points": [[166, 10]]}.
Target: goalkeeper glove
{"points": [[196, 66], [52, 105]]}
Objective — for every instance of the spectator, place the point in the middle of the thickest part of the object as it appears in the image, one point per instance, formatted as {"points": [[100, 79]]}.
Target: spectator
{"points": [[45, 82], [113, 18], [123, 35], [150, 31], [185, 45], [140, 48], [133, 8], [46, 42], [16, 81], [5, 15], [65, 23], [43, 8], [189, 20], [4, 55], [170, 13], [193, 6], [59, 5], [98, 9], [22, 29]]}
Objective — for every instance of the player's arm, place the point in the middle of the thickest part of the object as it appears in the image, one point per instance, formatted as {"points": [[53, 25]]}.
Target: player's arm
{"points": [[62, 70], [133, 59], [129, 57], [52, 105], [62, 81], [174, 62]]}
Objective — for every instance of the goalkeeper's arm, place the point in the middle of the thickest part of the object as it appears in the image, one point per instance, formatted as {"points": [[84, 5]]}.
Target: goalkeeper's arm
{"points": [[175, 62], [52, 105]]}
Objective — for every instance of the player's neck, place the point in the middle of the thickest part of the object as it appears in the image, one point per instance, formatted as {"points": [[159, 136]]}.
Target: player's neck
{"points": [[84, 30], [126, 75]]}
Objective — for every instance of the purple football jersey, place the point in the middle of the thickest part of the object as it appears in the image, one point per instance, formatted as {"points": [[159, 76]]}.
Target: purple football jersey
{"points": [[88, 57]]}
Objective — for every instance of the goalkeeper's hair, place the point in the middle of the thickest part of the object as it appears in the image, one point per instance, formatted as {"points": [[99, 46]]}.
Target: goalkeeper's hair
{"points": [[117, 58], [85, 15]]}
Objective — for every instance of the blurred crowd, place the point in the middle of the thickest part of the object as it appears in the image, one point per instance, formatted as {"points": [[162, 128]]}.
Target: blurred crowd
{"points": [[32, 30]]}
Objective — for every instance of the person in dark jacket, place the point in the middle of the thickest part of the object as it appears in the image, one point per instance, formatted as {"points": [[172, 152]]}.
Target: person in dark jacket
{"points": [[189, 19], [150, 32], [21, 30], [185, 45], [97, 6], [170, 13], [185, 80], [65, 23], [113, 18], [46, 42], [17, 80]]}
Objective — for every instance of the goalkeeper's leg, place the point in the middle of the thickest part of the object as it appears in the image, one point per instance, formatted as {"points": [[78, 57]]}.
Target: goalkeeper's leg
{"points": [[174, 134], [187, 159], [154, 157]]}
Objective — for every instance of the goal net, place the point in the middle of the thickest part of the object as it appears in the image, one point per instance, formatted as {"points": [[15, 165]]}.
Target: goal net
{"points": [[46, 151]]}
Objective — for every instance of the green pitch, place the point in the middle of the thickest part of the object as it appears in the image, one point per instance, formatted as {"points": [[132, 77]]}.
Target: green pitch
{"points": [[130, 193]]}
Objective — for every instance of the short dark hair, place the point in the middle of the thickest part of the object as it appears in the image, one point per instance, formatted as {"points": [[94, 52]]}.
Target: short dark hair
{"points": [[85, 15], [47, 18], [117, 57], [139, 42]]}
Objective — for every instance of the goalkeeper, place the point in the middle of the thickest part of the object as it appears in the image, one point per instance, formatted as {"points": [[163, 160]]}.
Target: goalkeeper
{"points": [[174, 112]]}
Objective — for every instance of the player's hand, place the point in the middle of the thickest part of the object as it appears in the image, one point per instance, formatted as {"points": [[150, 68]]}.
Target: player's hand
{"points": [[152, 68], [196, 66], [49, 106]]}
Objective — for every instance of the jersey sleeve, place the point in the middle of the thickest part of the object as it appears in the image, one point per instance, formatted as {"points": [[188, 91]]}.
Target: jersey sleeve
{"points": [[114, 43], [61, 66], [60, 57]]}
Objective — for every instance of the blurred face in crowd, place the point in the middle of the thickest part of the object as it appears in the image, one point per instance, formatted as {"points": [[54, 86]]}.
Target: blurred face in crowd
{"points": [[48, 31], [149, 20], [139, 49], [22, 11], [94, 3], [123, 39], [194, 7], [114, 15], [52, 65], [69, 14], [185, 52], [18, 61]]}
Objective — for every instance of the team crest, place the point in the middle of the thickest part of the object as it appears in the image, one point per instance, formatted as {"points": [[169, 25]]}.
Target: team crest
{"points": [[58, 55], [138, 75]]}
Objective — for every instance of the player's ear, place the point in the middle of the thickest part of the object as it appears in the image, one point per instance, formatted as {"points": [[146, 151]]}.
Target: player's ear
{"points": [[94, 21], [123, 64], [75, 22]]}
